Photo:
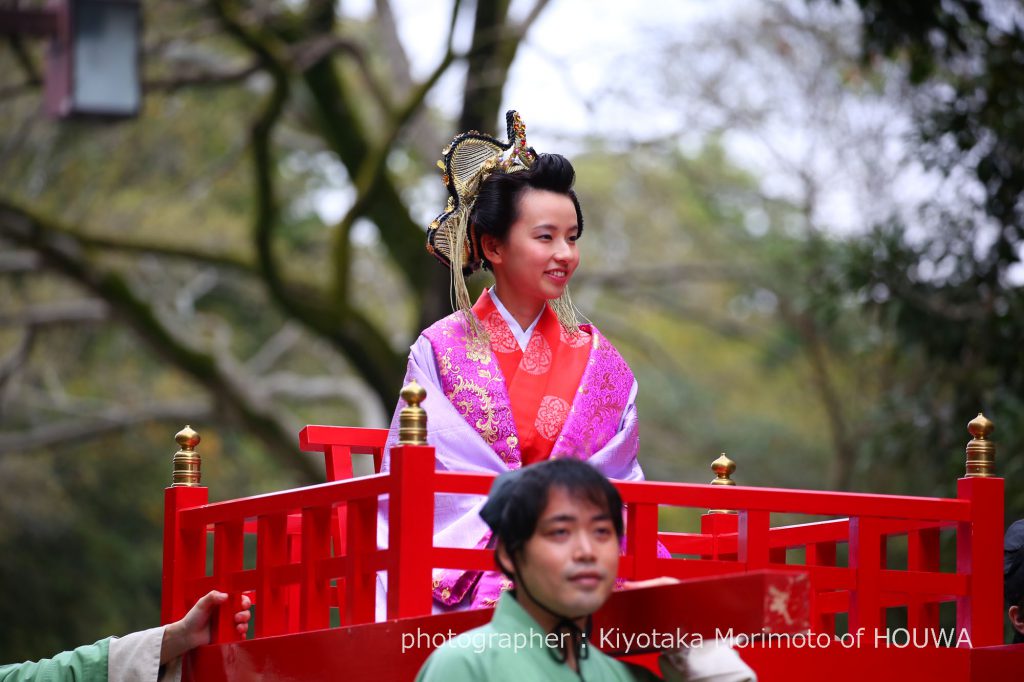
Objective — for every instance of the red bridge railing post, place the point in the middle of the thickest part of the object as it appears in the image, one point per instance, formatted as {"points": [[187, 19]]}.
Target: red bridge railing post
{"points": [[979, 555], [867, 558], [410, 531], [184, 551], [411, 512], [718, 522], [979, 544]]}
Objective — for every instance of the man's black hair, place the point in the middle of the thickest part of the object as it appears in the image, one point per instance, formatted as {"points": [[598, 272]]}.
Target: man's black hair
{"points": [[519, 498], [1013, 570]]}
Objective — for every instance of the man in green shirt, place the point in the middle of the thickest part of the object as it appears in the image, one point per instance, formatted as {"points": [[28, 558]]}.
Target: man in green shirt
{"points": [[153, 654], [558, 526]]}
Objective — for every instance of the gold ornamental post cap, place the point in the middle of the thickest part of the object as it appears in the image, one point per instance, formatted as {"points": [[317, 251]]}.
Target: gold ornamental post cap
{"points": [[186, 464], [187, 439], [413, 394], [981, 427], [412, 420], [981, 452], [723, 468]]}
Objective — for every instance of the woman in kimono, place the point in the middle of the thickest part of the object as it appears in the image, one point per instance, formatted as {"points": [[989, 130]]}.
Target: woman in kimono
{"points": [[514, 378]]}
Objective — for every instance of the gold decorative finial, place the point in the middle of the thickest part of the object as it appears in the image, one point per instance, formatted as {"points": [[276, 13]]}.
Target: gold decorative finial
{"points": [[412, 421], [186, 464], [981, 452], [723, 468]]}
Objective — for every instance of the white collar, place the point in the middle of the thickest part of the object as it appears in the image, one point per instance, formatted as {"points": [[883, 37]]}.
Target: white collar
{"points": [[522, 335]]}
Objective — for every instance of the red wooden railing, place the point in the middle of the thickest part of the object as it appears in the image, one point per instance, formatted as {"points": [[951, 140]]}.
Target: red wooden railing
{"points": [[296, 591]]}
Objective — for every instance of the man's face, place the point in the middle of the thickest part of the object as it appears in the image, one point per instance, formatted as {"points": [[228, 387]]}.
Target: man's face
{"points": [[570, 563]]}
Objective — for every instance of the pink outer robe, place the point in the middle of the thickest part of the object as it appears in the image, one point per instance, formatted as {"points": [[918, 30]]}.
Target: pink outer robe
{"points": [[470, 425]]}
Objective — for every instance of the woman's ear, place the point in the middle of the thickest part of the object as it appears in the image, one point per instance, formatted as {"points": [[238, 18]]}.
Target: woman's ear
{"points": [[491, 247]]}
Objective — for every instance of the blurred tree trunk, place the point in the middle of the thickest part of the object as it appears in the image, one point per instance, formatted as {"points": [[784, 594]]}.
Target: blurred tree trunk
{"points": [[317, 80]]}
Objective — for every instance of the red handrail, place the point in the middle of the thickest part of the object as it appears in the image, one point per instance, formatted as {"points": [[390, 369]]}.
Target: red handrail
{"points": [[323, 576]]}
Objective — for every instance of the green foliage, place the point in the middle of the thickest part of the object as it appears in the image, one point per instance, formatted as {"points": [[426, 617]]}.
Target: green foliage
{"points": [[950, 289]]}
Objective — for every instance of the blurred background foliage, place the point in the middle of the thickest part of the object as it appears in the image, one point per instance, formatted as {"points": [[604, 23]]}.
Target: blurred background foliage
{"points": [[816, 269]]}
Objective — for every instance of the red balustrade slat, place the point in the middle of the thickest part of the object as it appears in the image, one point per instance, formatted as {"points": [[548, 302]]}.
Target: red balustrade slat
{"points": [[753, 538], [642, 539], [836, 530], [867, 558], [271, 553], [228, 557], [687, 543], [822, 555], [794, 501], [923, 555], [684, 568], [464, 559], [460, 483], [833, 603], [718, 526], [320, 495], [937, 585], [314, 609], [339, 467], [335, 567], [362, 441], [361, 582]]}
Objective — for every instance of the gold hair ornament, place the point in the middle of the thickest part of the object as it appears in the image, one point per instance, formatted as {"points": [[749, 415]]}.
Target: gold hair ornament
{"points": [[466, 162]]}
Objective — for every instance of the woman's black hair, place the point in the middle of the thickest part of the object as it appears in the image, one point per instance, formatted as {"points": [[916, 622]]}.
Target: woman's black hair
{"points": [[515, 520], [497, 202]]}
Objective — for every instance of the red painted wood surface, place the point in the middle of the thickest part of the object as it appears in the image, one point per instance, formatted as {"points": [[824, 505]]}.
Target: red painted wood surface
{"points": [[184, 554], [317, 557], [338, 443], [395, 650]]}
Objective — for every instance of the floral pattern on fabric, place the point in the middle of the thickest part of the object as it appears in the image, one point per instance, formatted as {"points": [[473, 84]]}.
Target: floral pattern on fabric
{"points": [[603, 393], [473, 383], [502, 338], [551, 416], [537, 356]]}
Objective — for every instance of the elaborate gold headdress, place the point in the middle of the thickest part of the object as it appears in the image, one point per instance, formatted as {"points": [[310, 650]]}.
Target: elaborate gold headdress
{"points": [[466, 163]]}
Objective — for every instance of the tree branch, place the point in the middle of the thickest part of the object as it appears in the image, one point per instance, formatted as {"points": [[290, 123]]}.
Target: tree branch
{"points": [[111, 244], [372, 172], [24, 60], [64, 312], [312, 389], [342, 324], [12, 262], [77, 431], [10, 363], [231, 391], [209, 78]]}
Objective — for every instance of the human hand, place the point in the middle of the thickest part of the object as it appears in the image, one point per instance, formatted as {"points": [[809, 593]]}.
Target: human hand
{"points": [[194, 629]]}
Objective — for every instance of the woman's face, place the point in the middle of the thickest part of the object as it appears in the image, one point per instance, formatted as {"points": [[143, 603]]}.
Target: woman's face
{"points": [[539, 256]]}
